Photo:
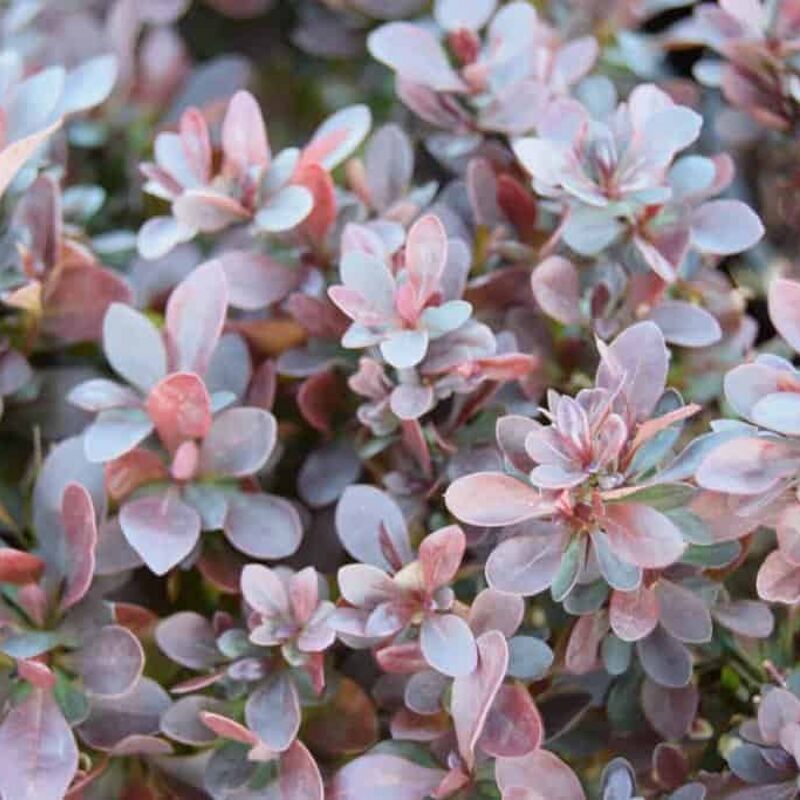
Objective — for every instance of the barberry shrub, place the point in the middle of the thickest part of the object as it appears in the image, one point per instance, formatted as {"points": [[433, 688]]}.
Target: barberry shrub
{"points": [[400, 399]]}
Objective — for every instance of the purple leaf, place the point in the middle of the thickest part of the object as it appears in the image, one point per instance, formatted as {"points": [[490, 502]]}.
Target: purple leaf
{"points": [[239, 442], [188, 639], [111, 661], [493, 610], [556, 287], [161, 528], [638, 359], [778, 580], [273, 712], [671, 712], [384, 775], [263, 525], [448, 644], [525, 565], [182, 721], [137, 713], [255, 280], [724, 227], [415, 55], [39, 756], [372, 528], [686, 324], [665, 659], [682, 613], [264, 591]]}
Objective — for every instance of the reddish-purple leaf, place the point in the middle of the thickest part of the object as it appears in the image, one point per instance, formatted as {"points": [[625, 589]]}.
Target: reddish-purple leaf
{"points": [[80, 533], [513, 727], [671, 712], [19, 567], [180, 408]]}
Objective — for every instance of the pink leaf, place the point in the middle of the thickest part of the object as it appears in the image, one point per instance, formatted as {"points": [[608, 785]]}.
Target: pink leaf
{"points": [[493, 610], [642, 536], [556, 287], [784, 310], [19, 567], [440, 555], [778, 580], [633, 615], [492, 499], [80, 533], [194, 318], [14, 156], [180, 409], [426, 256], [473, 694], [244, 136]]}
